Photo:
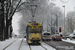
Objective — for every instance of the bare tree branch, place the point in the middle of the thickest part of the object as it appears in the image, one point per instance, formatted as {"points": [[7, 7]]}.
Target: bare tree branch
{"points": [[20, 9], [21, 4], [10, 17]]}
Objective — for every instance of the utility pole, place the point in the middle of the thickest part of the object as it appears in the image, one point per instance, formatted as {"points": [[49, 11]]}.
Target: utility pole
{"points": [[64, 18], [51, 19], [47, 24], [51, 15], [56, 22], [64, 1]]}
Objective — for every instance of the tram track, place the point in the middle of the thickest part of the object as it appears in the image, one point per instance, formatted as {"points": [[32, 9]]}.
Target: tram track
{"points": [[21, 44], [9, 44], [12, 43], [39, 46], [30, 47], [44, 47]]}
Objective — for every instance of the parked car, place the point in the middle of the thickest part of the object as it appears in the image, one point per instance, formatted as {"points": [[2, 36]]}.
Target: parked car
{"points": [[65, 36], [72, 36], [46, 36], [56, 36], [25, 36]]}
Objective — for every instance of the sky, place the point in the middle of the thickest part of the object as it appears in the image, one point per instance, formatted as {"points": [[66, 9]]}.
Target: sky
{"points": [[15, 22], [69, 6]]}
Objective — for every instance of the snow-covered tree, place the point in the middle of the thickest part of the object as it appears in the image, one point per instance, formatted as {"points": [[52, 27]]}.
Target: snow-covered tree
{"points": [[10, 7], [43, 13], [70, 21]]}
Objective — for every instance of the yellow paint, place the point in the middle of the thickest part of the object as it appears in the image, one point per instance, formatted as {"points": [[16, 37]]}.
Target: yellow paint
{"points": [[39, 24], [40, 42], [29, 41], [33, 35]]}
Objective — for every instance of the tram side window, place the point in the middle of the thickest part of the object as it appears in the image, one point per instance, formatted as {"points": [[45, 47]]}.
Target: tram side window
{"points": [[26, 29]]}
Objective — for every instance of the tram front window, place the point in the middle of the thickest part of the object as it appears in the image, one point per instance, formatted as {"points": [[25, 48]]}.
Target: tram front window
{"points": [[35, 29]]}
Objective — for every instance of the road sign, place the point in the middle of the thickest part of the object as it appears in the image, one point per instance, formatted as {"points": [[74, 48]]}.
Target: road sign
{"points": [[62, 29], [56, 30]]}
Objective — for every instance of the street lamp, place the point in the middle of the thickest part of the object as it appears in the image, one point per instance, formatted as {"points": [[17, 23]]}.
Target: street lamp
{"points": [[64, 1], [64, 17]]}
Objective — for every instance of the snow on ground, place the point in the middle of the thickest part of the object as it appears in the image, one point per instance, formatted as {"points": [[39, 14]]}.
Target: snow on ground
{"points": [[15, 45], [48, 47], [68, 40], [3, 44], [38, 47], [24, 45]]}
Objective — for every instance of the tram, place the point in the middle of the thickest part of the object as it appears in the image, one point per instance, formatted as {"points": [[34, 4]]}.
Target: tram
{"points": [[34, 33]]}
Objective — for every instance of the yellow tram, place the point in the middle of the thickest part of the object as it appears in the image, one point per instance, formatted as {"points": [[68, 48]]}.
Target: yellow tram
{"points": [[34, 33]]}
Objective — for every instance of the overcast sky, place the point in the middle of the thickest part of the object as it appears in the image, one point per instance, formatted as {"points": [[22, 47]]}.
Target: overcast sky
{"points": [[15, 22], [69, 6]]}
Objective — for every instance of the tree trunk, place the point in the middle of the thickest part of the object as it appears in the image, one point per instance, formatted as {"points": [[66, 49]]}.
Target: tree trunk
{"points": [[2, 20], [7, 22]]}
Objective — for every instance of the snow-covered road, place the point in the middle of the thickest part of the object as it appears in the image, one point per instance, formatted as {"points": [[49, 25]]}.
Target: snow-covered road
{"points": [[68, 40], [48, 47], [25, 46]]}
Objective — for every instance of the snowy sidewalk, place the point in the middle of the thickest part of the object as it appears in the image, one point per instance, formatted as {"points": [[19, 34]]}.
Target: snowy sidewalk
{"points": [[68, 40], [3, 44], [15, 45]]}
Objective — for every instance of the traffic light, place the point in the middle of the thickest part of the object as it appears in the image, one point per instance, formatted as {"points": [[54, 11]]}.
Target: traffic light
{"points": [[59, 29]]}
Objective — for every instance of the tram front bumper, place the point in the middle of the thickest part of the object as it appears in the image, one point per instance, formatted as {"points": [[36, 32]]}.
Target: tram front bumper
{"points": [[36, 41]]}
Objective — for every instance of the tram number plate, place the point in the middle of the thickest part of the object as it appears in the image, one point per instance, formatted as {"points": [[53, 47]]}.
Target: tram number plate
{"points": [[35, 42]]}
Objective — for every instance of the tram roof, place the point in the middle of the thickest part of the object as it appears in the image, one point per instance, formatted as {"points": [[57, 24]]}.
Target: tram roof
{"points": [[34, 24]]}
